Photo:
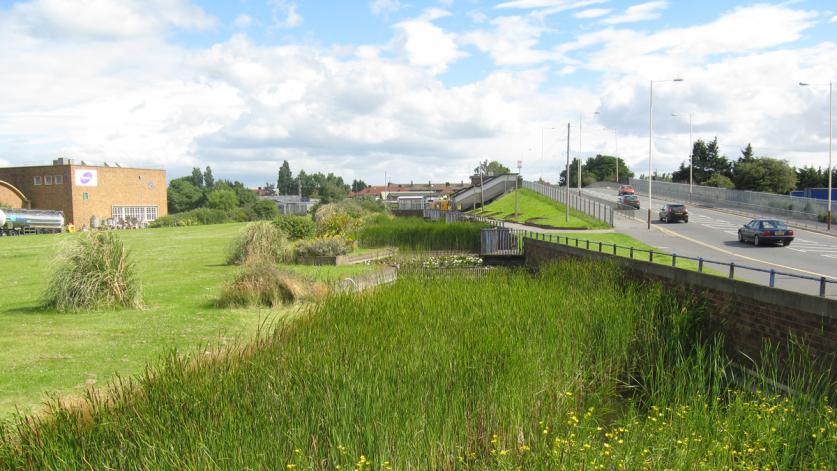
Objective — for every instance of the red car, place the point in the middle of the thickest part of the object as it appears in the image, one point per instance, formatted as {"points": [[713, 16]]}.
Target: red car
{"points": [[626, 190]]}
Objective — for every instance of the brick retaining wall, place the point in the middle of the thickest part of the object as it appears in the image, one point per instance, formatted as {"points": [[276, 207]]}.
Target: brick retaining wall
{"points": [[746, 314]]}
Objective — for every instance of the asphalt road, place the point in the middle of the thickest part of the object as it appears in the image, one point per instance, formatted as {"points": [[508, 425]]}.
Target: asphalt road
{"points": [[713, 235]]}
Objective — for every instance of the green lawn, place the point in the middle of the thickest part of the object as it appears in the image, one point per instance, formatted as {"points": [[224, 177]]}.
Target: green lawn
{"points": [[624, 240], [534, 208], [181, 269]]}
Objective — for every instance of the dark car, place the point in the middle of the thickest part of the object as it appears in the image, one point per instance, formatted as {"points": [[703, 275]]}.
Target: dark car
{"points": [[674, 213], [765, 231], [629, 200]]}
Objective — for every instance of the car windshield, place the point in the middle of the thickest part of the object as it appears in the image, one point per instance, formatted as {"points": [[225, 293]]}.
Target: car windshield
{"points": [[631, 198], [774, 225], [676, 207]]}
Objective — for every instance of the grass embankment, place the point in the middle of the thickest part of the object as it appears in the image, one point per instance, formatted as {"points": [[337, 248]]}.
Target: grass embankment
{"points": [[572, 368], [419, 234], [181, 270], [535, 208]]}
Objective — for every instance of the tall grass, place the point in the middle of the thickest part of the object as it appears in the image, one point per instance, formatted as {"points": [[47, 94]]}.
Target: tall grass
{"points": [[262, 284], [572, 368], [418, 234], [94, 271], [260, 241]]}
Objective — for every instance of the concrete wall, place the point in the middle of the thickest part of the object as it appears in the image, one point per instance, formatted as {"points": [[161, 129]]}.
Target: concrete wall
{"points": [[115, 186], [746, 314]]}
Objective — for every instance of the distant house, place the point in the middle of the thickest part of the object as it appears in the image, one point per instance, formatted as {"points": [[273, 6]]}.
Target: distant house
{"points": [[292, 204]]}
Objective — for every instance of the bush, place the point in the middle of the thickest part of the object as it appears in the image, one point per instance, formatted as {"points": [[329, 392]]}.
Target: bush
{"points": [[242, 215], [323, 247], [223, 198], [370, 205], [195, 217], [350, 208], [260, 241], [265, 209], [296, 227], [338, 224], [262, 284], [94, 271]]}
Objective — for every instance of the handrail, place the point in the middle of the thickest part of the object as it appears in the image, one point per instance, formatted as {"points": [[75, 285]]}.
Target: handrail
{"points": [[731, 266]]}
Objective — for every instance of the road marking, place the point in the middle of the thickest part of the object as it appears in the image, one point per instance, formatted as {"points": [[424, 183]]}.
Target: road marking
{"points": [[710, 246]]}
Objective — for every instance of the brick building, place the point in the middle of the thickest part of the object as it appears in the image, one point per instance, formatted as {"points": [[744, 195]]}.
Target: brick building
{"points": [[83, 191]]}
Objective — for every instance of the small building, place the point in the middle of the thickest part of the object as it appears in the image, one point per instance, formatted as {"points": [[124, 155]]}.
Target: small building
{"points": [[85, 193], [293, 204]]}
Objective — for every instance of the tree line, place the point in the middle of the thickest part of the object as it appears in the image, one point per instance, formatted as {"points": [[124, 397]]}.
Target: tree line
{"points": [[328, 188], [748, 172]]}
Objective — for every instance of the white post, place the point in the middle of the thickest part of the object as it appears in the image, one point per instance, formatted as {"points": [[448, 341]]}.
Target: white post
{"points": [[828, 215], [691, 155], [567, 203], [616, 140], [579, 153]]}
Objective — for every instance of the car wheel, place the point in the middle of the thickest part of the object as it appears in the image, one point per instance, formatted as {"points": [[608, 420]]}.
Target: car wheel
{"points": [[756, 240], [740, 237], [686, 220], [785, 243]]}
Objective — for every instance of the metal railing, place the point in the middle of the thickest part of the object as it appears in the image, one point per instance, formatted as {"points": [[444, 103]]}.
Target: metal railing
{"points": [[459, 216], [810, 211], [600, 211], [511, 242]]}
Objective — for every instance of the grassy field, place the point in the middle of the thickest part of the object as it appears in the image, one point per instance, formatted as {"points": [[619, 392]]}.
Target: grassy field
{"points": [[182, 271], [534, 208], [572, 368]]}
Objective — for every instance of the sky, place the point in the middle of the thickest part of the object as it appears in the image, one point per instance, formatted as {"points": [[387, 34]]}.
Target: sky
{"points": [[410, 90]]}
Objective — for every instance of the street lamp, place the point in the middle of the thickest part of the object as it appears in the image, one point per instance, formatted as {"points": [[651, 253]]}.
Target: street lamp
{"points": [[516, 180], [567, 203], [830, 89], [691, 152], [650, 136]]}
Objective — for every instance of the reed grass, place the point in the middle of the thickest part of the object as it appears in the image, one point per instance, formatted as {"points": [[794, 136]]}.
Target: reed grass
{"points": [[574, 367], [259, 242], [263, 284], [419, 234], [94, 271]]}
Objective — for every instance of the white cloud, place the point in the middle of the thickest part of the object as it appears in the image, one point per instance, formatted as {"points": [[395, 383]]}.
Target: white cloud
{"points": [[477, 16], [285, 15], [833, 19], [384, 7], [425, 44], [104, 19], [636, 13], [592, 13], [242, 21], [553, 5], [513, 41]]}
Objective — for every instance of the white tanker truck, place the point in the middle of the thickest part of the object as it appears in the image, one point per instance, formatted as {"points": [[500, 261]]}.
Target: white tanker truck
{"points": [[30, 221]]}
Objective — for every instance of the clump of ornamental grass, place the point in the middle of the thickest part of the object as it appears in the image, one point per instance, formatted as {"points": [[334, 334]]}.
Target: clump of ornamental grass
{"points": [[94, 271], [262, 284], [260, 241]]}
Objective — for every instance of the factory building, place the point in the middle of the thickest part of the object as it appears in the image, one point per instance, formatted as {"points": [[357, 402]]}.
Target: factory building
{"points": [[83, 191]]}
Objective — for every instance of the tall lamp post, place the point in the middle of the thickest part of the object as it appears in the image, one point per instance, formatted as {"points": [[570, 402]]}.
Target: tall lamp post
{"points": [[650, 136], [830, 89], [579, 152], [516, 180], [691, 152], [567, 203]]}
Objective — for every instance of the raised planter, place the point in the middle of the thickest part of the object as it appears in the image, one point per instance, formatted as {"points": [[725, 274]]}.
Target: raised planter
{"points": [[367, 280], [346, 259]]}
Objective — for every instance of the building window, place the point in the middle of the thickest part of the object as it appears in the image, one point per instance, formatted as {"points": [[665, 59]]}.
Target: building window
{"points": [[139, 213], [59, 179], [38, 180], [48, 180], [85, 196]]}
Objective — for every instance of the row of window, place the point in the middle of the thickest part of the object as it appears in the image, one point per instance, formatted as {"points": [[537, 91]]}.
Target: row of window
{"points": [[49, 180], [140, 213]]}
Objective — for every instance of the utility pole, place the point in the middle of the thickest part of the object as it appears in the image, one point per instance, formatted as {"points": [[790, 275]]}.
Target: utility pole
{"points": [[616, 139], [519, 164], [579, 153], [567, 203]]}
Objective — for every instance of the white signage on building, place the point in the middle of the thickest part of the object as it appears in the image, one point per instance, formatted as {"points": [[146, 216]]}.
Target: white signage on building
{"points": [[86, 177]]}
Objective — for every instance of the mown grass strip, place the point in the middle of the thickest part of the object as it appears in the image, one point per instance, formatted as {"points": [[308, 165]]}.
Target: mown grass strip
{"points": [[537, 209]]}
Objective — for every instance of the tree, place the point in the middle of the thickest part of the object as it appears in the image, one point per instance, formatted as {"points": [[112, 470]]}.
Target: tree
{"points": [[197, 177], [706, 161], [269, 189], [285, 180], [222, 198], [183, 195], [719, 181], [810, 177], [208, 179], [305, 183], [491, 168], [586, 176], [747, 154], [265, 209], [603, 168], [765, 174], [358, 185]]}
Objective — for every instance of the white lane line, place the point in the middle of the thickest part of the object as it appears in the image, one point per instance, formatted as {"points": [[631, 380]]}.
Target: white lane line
{"points": [[733, 254]]}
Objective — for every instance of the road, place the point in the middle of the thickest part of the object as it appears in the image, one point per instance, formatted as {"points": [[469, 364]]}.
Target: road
{"points": [[713, 235]]}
